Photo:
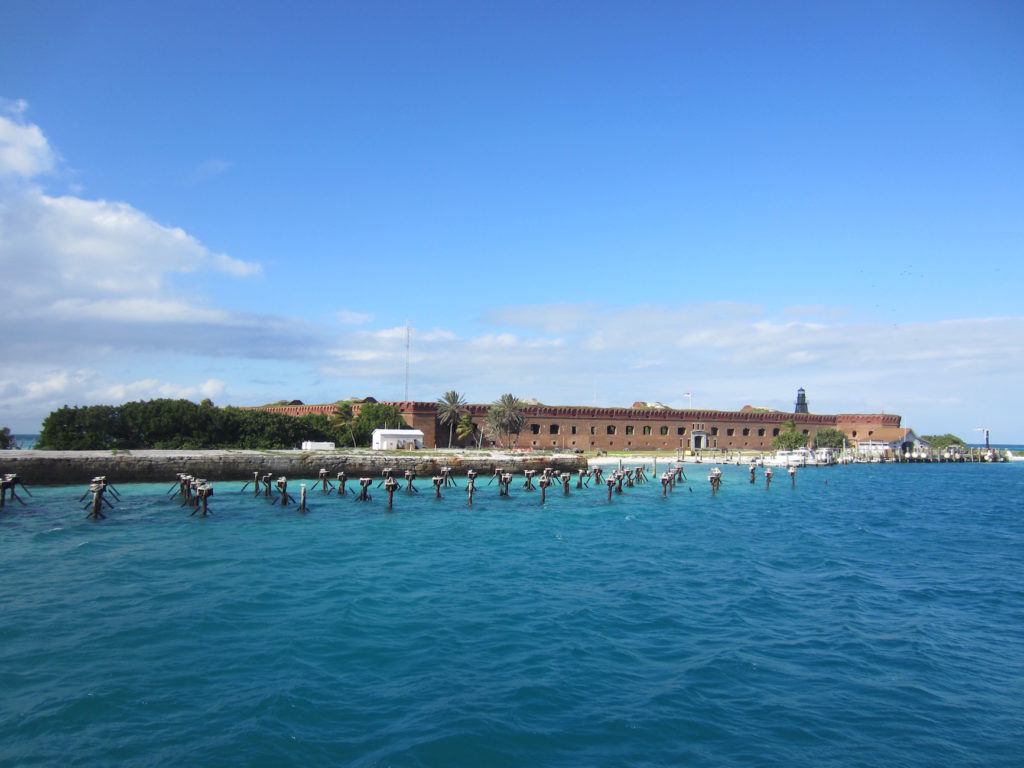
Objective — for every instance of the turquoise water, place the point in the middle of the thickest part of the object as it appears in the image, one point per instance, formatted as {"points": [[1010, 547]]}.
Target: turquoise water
{"points": [[873, 619]]}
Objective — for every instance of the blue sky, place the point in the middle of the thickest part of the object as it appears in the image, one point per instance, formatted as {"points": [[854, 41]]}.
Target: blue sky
{"points": [[579, 202]]}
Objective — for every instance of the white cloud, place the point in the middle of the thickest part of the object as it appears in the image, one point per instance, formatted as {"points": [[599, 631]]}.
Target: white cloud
{"points": [[147, 389], [727, 354], [43, 391], [349, 317], [24, 150]]}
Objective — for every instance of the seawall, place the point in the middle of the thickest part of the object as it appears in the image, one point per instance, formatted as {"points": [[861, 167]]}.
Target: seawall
{"points": [[73, 467]]}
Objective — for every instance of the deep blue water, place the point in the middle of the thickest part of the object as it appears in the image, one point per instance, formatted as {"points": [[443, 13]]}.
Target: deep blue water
{"points": [[873, 619]]}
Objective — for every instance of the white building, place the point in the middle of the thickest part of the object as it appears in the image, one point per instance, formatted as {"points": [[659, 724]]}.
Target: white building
{"points": [[397, 439]]}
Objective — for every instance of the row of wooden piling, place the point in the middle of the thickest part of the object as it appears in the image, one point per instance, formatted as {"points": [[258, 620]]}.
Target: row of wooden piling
{"points": [[533, 480], [195, 492]]}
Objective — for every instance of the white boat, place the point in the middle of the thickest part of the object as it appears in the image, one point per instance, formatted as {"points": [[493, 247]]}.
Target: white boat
{"points": [[800, 457]]}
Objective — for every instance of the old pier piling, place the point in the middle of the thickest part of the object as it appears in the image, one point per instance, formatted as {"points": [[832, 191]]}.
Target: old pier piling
{"points": [[203, 491], [410, 479], [255, 483], [715, 478], [9, 484], [326, 485], [504, 481], [528, 474], [285, 497], [97, 489]]}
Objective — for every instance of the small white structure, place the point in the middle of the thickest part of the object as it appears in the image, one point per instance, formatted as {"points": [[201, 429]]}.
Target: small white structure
{"points": [[397, 439], [312, 445]]}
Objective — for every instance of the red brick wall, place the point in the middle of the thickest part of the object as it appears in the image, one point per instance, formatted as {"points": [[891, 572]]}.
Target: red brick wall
{"points": [[760, 425]]}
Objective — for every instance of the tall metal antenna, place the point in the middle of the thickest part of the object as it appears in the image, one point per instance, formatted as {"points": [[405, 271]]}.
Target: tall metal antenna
{"points": [[406, 361]]}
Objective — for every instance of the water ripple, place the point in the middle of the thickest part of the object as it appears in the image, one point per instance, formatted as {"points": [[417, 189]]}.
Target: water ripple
{"points": [[870, 621]]}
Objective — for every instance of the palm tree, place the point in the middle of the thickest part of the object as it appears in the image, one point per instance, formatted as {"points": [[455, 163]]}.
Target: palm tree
{"points": [[466, 430], [450, 407], [505, 418], [342, 421]]}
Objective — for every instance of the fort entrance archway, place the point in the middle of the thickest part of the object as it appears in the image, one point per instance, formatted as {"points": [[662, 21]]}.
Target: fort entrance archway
{"points": [[699, 440]]}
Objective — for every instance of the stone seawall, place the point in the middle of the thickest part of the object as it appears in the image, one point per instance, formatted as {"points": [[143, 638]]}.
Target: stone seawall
{"points": [[73, 467]]}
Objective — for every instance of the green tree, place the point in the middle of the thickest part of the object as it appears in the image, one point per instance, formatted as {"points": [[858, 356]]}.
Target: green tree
{"points": [[830, 437], [450, 407], [505, 420], [6, 441], [375, 416], [466, 431], [342, 422], [789, 438], [177, 424], [942, 442]]}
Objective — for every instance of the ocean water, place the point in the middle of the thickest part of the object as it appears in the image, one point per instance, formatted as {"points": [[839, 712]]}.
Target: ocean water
{"points": [[873, 615]]}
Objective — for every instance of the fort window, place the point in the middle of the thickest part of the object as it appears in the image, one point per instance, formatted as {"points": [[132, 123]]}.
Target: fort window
{"points": [[805, 431], [775, 432], [680, 430], [730, 432], [647, 430], [629, 429], [593, 430], [870, 432], [854, 433], [714, 431], [534, 442], [760, 432], [573, 430], [746, 432], [610, 429], [663, 431], [535, 428], [553, 429]]}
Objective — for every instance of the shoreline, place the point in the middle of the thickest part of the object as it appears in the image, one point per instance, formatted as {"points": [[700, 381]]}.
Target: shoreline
{"points": [[37, 467]]}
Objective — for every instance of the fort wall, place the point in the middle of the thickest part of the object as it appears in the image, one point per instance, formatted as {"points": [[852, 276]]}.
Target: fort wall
{"points": [[554, 427]]}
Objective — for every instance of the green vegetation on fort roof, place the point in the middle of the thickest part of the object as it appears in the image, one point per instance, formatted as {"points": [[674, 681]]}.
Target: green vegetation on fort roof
{"points": [[183, 424], [941, 442]]}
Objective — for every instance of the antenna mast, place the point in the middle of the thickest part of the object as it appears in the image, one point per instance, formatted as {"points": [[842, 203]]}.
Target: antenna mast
{"points": [[406, 361]]}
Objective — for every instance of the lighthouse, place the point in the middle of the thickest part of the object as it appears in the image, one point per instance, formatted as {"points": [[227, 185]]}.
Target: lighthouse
{"points": [[801, 401]]}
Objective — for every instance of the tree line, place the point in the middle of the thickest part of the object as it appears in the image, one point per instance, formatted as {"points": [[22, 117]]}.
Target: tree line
{"points": [[183, 424]]}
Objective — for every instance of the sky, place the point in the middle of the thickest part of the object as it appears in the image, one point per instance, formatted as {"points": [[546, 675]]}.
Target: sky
{"points": [[583, 203]]}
